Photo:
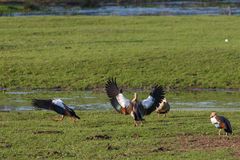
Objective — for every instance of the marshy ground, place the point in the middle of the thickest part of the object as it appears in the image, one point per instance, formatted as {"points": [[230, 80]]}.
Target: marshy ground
{"points": [[81, 52]]}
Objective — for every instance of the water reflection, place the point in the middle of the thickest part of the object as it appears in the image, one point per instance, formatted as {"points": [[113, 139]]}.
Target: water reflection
{"points": [[88, 100], [133, 11], [154, 8]]}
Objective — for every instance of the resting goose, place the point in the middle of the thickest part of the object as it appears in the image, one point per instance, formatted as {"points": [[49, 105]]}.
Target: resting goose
{"points": [[137, 109], [56, 105], [163, 107], [221, 122]]}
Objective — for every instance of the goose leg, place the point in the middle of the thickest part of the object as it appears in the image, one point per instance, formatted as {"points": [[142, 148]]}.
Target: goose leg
{"points": [[73, 119], [135, 123], [219, 132], [62, 117], [59, 119]]}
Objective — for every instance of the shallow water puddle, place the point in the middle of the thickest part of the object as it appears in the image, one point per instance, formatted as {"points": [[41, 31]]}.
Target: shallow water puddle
{"points": [[155, 8], [89, 100]]}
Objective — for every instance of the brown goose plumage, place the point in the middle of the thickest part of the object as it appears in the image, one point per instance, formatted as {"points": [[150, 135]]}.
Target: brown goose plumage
{"points": [[163, 108]]}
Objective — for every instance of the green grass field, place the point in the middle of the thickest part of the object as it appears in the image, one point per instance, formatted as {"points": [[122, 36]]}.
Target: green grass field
{"points": [[81, 52], [109, 135], [7, 9]]}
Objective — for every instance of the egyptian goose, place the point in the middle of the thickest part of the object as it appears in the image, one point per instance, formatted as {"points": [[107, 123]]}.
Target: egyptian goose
{"points": [[221, 122], [56, 105], [137, 109], [163, 107]]}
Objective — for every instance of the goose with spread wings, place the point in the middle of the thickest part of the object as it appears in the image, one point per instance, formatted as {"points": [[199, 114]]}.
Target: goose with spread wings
{"points": [[56, 105], [137, 109]]}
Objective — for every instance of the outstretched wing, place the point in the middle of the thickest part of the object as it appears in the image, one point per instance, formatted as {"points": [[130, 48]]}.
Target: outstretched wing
{"points": [[44, 104], [119, 102], [55, 105], [155, 97]]}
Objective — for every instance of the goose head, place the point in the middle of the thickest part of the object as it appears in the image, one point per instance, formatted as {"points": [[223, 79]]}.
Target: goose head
{"points": [[213, 114]]}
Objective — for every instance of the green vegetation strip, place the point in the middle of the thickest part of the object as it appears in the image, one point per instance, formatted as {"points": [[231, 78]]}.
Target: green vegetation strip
{"points": [[7, 9], [109, 135], [81, 52]]}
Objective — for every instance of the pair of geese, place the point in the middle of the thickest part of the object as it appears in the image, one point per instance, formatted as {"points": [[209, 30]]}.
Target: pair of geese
{"points": [[156, 101]]}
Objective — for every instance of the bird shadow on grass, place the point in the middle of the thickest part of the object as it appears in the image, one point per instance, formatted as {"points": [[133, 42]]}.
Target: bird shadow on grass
{"points": [[98, 137], [48, 132]]}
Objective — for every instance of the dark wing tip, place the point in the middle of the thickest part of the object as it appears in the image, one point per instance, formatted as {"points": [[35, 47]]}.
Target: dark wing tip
{"points": [[111, 81], [40, 103], [72, 112], [111, 87], [77, 116], [158, 92], [35, 102]]}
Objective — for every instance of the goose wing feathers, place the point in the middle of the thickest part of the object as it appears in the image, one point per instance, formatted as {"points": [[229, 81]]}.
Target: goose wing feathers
{"points": [[227, 124], [56, 105], [117, 99], [44, 104], [155, 97]]}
